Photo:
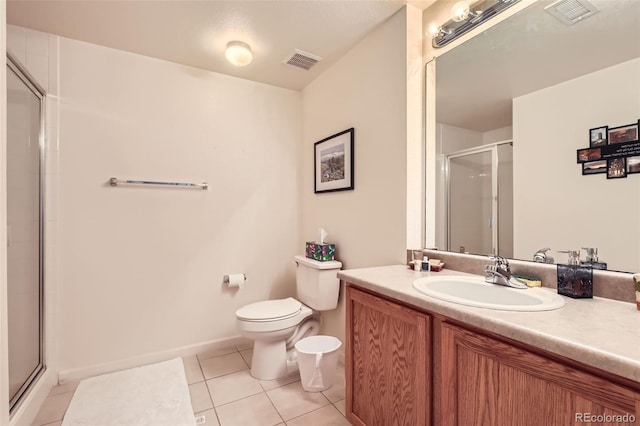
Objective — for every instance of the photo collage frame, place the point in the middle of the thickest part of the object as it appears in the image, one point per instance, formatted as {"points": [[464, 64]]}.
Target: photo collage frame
{"points": [[614, 151]]}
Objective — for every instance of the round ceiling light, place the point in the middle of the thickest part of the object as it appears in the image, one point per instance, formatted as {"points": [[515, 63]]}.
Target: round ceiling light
{"points": [[238, 53]]}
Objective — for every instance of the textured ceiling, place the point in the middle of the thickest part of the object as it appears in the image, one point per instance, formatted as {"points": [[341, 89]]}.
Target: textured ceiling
{"points": [[532, 50], [195, 33]]}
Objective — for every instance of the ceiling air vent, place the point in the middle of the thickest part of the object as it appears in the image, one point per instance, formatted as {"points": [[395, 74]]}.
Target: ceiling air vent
{"points": [[571, 11], [301, 59]]}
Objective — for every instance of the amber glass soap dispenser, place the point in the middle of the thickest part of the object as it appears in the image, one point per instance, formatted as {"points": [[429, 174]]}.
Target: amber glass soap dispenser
{"points": [[575, 280]]}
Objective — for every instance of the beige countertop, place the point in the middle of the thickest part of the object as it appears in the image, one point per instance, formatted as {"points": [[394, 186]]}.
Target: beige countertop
{"points": [[599, 332]]}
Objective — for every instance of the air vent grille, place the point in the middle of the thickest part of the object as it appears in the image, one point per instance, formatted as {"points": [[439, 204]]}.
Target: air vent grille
{"points": [[302, 59], [571, 11]]}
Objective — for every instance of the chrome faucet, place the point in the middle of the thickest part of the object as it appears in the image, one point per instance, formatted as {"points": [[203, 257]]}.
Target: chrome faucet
{"points": [[500, 273], [541, 256]]}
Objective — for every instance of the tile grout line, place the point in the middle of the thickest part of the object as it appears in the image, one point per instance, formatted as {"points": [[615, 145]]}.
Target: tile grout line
{"points": [[239, 399], [245, 361], [226, 374], [217, 356], [263, 390], [336, 407], [208, 392], [312, 411], [274, 407]]}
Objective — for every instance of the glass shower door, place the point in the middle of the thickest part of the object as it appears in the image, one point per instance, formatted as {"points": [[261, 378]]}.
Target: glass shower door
{"points": [[470, 197], [24, 232], [505, 199], [480, 200]]}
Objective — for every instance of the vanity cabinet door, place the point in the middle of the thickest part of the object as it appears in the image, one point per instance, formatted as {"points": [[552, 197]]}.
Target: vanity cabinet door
{"points": [[387, 368], [488, 382]]}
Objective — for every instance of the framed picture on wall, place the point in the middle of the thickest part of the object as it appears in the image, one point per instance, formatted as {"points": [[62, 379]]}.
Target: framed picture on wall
{"points": [[594, 167], [617, 168], [333, 162], [598, 136], [589, 154], [622, 134], [633, 165]]}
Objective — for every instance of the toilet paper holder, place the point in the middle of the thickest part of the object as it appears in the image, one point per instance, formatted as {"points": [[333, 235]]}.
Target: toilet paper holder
{"points": [[225, 279]]}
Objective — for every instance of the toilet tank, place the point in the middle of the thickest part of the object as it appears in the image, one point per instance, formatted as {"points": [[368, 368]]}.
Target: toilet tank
{"points": [[317, 283]]}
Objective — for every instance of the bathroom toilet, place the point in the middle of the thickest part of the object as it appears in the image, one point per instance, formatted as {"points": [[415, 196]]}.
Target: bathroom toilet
{"points": [[276, 326]]}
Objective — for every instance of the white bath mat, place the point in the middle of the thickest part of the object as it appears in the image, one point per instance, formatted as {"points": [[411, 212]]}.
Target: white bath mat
{"points": [[156, 394]]}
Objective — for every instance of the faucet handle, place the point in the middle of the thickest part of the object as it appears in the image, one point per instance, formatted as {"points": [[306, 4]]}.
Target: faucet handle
{"points": [[500, 263], [499, 260], [540, 256]]}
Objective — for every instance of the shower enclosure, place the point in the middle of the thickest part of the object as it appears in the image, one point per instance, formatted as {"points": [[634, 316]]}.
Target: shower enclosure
{"points": [[479, 192], [25, 230]]}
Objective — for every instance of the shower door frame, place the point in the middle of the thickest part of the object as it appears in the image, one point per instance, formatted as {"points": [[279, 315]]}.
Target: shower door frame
{"points": [[493, 149], [14, 65]]}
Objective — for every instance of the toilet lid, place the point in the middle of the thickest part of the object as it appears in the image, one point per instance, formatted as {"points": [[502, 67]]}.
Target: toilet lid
{"points": [[269, 310]]}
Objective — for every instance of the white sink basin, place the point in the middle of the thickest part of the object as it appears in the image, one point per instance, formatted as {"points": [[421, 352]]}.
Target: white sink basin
{"points": [[474, 291]]}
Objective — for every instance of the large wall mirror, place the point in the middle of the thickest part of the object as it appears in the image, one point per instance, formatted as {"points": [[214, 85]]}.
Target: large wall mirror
{"points": [[513, 106]]}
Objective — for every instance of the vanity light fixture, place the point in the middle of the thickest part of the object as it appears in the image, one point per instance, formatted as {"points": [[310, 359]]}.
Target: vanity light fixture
{"points": [[460, 11], [238, 53], [435, 31], [465, 16]]}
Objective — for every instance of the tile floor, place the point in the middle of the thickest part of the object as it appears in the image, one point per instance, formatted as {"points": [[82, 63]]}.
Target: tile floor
{"points": [[223, 391]]}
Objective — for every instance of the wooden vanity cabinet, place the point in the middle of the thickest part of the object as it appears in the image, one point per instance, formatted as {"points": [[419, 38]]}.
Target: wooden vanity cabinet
{"points": [[405, 367], [485, 381], [387, 365]]}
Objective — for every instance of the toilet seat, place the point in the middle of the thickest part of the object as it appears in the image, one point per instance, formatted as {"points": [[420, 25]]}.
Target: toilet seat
{"points": [[272, 316], [270, 310]]}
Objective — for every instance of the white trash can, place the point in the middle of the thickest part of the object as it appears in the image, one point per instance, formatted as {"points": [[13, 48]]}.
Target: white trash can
{"points": [[317, 359]]}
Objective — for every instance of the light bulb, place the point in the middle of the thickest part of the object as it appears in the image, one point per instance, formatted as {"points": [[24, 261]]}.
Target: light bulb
{"points": [[238, 53], [460, 11], [433, 29]]}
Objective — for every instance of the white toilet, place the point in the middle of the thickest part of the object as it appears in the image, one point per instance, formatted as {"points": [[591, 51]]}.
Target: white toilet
{"points": [[276, 325]]}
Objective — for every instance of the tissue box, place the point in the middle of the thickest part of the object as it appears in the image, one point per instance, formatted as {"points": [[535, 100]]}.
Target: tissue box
{"points": [[321, 252]]}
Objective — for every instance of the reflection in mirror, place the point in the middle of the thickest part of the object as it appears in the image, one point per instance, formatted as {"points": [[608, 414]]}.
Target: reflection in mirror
{"points": [[513, 106]]}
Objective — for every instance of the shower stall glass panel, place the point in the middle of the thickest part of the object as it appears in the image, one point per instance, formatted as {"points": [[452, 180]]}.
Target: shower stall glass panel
{"points": [[504, 228], [480, 200], [470, 203], [24, 230]]}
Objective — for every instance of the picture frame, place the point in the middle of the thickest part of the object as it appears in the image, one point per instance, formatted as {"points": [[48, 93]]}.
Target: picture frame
{"points": [[594, 167], [333, 159], [622, 134], [598, 136], [617, 168], [589, 154], [633, 165]]}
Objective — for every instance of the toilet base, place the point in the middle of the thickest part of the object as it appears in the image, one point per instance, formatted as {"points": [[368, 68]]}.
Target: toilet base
{"points": [[269, 360]]}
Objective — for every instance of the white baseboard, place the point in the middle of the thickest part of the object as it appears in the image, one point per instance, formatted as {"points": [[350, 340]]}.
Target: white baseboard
{"points": [[27, 411], [109, 367]]}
